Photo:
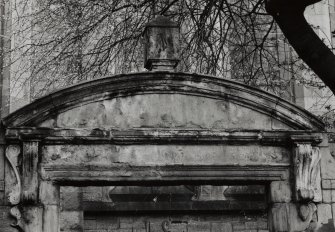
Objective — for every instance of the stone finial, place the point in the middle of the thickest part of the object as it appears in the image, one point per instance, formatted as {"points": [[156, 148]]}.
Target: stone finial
{"points": [[161, 44]]}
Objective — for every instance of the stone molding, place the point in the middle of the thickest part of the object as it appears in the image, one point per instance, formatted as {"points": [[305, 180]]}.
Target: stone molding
{"points": [[165, 83], [111, 175], [160, 136]]}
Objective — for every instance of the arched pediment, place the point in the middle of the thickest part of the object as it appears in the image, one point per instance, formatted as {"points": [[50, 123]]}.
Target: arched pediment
{"points": [[163, 99]]}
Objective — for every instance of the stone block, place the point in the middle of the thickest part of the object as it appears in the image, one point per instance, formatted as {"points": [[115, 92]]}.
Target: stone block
{"points": [[155, 226], [126, 222], [178, 227], [327, 162], [324, 213], [92, 193], [326, 196], [138, 230], [51, 218], [49, 193], [71, 198], [199, 227], [90, 224], [108, 222], [71, 221], [262, 224], [280, 192], [279, 217], [332, 195], [251, 225], [238, 226], [221, 227], [326, 184]]}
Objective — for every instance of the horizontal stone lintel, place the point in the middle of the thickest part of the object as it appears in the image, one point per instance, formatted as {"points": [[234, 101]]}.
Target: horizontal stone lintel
{"points": [[160, 136], [98, 206], [121, 174]]}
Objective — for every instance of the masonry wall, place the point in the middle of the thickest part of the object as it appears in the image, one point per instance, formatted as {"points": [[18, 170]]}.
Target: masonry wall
{"points": [[326, 209], [233, 222]]}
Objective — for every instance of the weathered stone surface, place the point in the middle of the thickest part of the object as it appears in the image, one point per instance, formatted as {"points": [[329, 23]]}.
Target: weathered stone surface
{"points": [[2, 174], [32, 219], [6, 220], [286, 217], [210, 193], [199, 226], [95, 193], [164, 154], [324, 213], [51, 218], [280, 192], [175, 222], [49, 193], [327, 162], [164, 111], [30, 180], [326, 184], [222, 227], [71, 221], [71, 198], [326, 196]]}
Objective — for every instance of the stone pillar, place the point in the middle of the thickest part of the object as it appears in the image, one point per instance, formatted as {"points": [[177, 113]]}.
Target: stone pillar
{"points": [[294, 203], [49, 197], [22, 186], [71, 215]]}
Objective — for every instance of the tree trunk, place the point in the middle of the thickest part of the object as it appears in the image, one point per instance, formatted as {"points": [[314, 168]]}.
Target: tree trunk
{"points": [[290, 18]]}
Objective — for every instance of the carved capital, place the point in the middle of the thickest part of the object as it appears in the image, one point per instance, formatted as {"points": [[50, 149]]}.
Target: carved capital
{"points": [[307, 172]]}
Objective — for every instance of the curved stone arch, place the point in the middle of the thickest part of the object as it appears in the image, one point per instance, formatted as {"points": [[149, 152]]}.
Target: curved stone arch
{"points": [[164, 83]]}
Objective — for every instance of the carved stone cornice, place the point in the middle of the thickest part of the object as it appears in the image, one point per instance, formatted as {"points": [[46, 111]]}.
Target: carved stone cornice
{"points": [[164, 83], [160, 136]]}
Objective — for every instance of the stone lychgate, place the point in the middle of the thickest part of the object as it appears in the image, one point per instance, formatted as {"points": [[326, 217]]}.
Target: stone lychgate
{"points": [[162, 127]]}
